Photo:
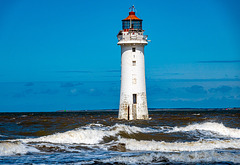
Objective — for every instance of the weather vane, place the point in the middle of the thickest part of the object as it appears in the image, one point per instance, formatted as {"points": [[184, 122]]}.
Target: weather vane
{"points": [[132, 8]]}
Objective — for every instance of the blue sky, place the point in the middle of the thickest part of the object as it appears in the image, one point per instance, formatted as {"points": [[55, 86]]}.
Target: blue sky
{"points": [[64, 55]]}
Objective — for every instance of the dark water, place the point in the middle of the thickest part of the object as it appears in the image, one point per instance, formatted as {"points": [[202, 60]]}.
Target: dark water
{"points": [[98, 137]]}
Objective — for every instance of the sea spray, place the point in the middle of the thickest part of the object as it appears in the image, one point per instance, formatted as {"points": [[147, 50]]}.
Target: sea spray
{"points": [[12, 148], [98, 137], [90, 134], [217, 128], [162, 146], [172, 157]]}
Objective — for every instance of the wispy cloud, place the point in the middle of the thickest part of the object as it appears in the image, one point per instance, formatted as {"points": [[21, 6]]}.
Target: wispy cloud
{"points": [[199, 80], [47, 92], [23, 93], [70, 84], [29, 84], [222, 89], [113, 71], [220, 61], [32, 92], [197, 89], [113, 76], [87, 71], [74, 71], [172, 74]]}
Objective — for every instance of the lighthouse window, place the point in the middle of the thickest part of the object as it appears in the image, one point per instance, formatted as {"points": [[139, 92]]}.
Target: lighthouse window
{"points": [[134, 63], [133, 49], [126, 24], [135, 24], [134, 98]]}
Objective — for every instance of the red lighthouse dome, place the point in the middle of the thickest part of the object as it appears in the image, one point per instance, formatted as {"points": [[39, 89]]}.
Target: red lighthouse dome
{"points": [[132, 16], [132, 22]]}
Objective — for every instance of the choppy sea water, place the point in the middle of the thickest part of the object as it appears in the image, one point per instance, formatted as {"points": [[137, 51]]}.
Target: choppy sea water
{"points": [[98, 137]]}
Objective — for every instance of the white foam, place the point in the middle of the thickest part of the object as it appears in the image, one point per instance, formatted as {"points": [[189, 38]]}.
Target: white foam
{"points": [[91, 134], [217, 128], [186, 157], [132, 129], [162, 146], [203, 156], [12, 148], [196, 114]]}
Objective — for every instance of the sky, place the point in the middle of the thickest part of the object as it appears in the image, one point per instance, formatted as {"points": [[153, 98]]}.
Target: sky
{"points": [[63, 55]]}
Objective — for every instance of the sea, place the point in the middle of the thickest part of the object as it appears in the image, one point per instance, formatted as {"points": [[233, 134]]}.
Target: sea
{"points": [[185, 136]]}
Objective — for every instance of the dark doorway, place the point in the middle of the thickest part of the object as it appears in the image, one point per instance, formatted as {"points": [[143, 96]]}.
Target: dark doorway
{"points": [[128, 113], [134, 98]]}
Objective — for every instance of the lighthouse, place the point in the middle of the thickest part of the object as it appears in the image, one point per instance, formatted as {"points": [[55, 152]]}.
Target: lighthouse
{"points": [[133, 99]]}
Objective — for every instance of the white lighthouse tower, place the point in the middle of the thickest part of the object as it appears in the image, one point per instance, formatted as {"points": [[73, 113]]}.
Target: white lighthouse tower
{"points": [[133, 101]]}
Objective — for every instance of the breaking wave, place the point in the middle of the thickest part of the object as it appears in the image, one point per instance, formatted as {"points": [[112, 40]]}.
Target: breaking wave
{"points": [[13, 148], [217, 128], [186, 157], [90, 134], [95, 135], [162, 146]]}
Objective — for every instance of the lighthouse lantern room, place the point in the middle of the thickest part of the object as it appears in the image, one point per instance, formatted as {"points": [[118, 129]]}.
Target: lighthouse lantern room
{"points": [[133, 100]]}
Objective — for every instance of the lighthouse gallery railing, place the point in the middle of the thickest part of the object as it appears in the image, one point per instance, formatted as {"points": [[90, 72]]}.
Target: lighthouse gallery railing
{"points": [[132, 37]]}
